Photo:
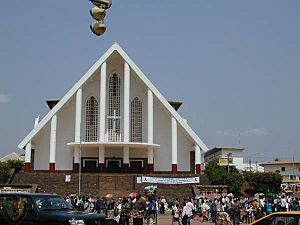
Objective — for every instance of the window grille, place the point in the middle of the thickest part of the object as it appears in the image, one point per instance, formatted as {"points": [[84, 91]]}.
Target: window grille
{"points": [[91, 121], [114, 106], [136, 120]]}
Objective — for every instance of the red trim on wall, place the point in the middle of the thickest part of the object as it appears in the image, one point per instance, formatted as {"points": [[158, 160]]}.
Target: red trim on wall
{"points": [[150, 168], [76, 168], [198, 168], [101, 167], [125, 167], [27, 167], [174, 168], [52, 167]]}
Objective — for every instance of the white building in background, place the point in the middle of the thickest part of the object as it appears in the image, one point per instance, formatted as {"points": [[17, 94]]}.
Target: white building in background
{"points": [[225, 156], [230, 156], [289, 170], [12, 156], [113, 120]]}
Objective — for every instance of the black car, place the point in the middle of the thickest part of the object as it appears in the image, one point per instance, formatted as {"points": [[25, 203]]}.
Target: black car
{"points": [[44, 209]]}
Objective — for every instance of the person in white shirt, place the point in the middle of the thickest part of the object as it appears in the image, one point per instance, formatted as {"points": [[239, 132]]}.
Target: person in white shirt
{"points": [[176, 213], [188, 211]]}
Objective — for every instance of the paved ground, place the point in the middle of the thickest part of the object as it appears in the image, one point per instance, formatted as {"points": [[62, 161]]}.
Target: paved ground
{"points": [[166, 219]]}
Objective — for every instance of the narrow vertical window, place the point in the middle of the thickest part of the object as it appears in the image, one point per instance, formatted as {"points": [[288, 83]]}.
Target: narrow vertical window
{"points": [[91, 120], [136, 120], [114, 109]]}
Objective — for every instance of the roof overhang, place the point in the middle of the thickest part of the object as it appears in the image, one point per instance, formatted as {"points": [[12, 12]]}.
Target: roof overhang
{"points": [[114, 144]]}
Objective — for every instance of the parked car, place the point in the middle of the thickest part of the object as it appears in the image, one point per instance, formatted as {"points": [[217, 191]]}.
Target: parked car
{"points": [[279, 218], [44, 209]]}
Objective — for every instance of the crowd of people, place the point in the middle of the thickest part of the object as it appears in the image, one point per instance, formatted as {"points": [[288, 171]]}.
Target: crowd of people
{"points": [[222, 210]]}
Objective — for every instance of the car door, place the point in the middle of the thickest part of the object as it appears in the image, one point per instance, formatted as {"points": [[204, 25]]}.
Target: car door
{"points": [[17, 209]]}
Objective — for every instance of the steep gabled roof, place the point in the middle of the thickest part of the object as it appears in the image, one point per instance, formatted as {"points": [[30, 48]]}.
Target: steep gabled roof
{"points": [[89, 73]]}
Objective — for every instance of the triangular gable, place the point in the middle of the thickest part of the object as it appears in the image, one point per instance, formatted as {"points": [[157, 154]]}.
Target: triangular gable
{"points": [[89, 73]]}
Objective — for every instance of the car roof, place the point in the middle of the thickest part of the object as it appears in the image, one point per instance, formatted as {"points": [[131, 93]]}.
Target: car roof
{"points": [[27, 194], [277, 213]]}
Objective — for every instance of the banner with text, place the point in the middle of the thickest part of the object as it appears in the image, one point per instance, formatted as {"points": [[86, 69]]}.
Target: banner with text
{"points": [[169, 180]]}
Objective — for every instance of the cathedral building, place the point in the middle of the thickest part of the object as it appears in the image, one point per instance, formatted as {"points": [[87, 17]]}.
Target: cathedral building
{"points": [[113, 120]]}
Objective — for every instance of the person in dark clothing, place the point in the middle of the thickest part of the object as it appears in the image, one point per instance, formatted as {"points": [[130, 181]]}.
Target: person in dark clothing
{"points": [[139, 210], [236, 208]]}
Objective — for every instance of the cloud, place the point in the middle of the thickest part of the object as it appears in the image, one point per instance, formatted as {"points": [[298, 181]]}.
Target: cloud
{"points": [[250, 132], [256, 132], [4, 98]]}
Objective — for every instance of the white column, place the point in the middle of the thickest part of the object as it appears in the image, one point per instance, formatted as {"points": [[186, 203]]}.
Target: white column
{"points": [[78, 115], [174, 140], [53, 139], [76, 154], [150, 117], [102, 102], [28, 153], [126, 101], [126, 155], [101, 154], [197, 154], [150, 155]]}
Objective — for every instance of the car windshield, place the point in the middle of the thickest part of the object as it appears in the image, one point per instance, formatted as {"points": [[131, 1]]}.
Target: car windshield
{"points": [[50, 203]]}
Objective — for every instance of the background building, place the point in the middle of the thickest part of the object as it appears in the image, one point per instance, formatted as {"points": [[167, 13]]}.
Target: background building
{"points": [[289, 170], [226, 156]]}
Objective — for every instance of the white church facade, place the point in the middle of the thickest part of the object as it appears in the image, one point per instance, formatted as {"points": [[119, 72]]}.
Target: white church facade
{"points": [[113, 120]]}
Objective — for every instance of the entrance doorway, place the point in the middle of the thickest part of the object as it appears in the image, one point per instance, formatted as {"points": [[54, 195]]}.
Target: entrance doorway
{"points": [[113, 165], [136, 166], [89, 165]]}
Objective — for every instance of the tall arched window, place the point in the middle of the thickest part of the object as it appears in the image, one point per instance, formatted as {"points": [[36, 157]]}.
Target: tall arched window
{"points": [[114, 108], [136, 120], [91, 120]]}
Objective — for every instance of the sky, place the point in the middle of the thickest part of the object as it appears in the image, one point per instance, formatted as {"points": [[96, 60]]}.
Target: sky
{"points": [[234, 64]]}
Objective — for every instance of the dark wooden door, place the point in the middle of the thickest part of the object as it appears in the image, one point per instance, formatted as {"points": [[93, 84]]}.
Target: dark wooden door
{"points": [[90, 166], [136, 167], [113, 166]]}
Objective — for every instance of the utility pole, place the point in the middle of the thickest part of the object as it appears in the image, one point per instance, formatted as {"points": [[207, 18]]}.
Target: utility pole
{"points": [[250, 165], [228, 155]]}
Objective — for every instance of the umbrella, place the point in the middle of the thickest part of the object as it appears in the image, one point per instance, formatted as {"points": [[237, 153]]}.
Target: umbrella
{"points": [[133, 195], [109, 196]]}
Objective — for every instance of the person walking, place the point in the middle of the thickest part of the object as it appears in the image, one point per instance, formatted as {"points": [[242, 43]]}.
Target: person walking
{"points": [[125, 212], [188, 210], [151, 210], [139, 210]]}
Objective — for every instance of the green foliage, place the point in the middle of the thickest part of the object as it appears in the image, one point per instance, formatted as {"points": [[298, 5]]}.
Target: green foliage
{"points": [[264, 182], [4, 172], [261, 182], [219, 175], [17, 164]]}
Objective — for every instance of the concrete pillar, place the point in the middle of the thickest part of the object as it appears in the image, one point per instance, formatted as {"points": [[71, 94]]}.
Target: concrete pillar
{"points": [[198, 159], [76, 160], [126, 101], [125, 159], [78, 115], [27, 157], [53, 144], [174, 145], [101, 156], [150, 117], [102, 102], [150, 160]]}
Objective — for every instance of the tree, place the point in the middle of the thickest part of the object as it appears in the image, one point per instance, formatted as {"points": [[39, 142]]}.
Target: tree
{"points": [[264, 181], [219, 175], [4, 172], [16, 164]]}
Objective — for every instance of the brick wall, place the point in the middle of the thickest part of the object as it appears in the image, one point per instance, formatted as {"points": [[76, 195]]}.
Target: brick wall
{"points": [[101, 184]]}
